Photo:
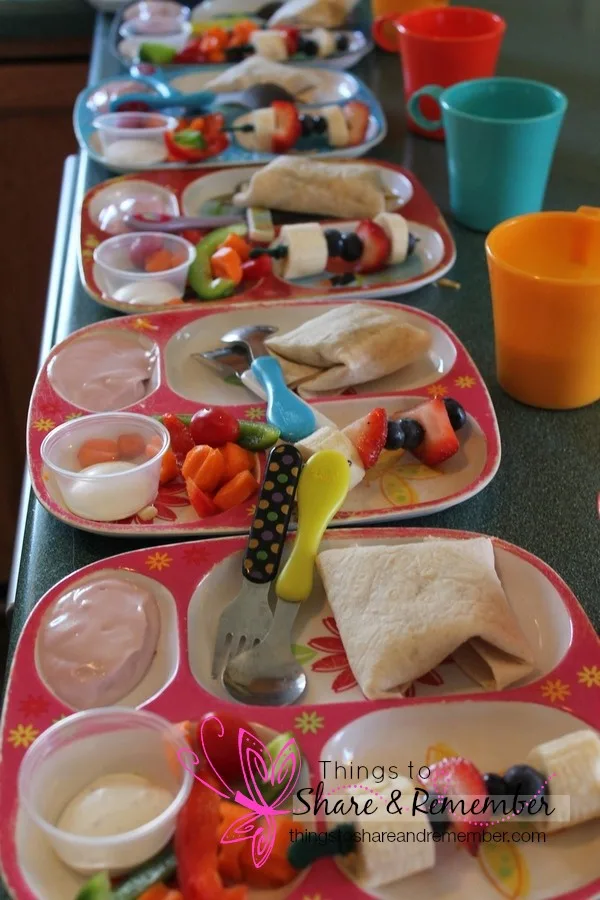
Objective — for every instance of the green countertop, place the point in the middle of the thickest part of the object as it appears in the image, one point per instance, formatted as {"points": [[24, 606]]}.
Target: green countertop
{"points": [[544, 497]]}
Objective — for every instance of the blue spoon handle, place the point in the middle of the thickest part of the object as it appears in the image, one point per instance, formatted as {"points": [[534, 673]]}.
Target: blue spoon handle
{"points": [[294, 418], [155, 82], [199, 100]]}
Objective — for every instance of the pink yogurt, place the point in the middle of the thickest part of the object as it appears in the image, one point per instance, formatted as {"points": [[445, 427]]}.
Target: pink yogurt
{"points": [[103, 372]]}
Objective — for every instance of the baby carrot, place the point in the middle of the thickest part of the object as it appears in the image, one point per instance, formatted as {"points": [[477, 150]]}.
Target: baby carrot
{"points": [[130, 445], [97, 450]]}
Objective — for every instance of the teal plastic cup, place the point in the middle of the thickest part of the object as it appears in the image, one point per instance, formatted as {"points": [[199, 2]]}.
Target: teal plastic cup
{"points": [[501, 134]]}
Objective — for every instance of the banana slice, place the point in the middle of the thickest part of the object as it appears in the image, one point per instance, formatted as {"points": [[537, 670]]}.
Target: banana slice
{"points": [[265, 123], [329, 438], [324, 40], [379, 863], [260, 225], [307, 250], [270, 45], [572, 764], [337, 129], [396, 228]]}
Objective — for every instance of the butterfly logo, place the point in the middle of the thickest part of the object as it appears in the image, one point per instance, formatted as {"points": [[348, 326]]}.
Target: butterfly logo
{"points": [[259, 771]]}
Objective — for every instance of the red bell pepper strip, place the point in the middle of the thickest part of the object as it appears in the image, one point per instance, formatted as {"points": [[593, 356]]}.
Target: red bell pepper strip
{"points": [[196, 848], [182, 147]]}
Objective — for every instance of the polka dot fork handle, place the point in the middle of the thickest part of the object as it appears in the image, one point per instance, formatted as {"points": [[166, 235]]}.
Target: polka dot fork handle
{"points": [[273, 513]]}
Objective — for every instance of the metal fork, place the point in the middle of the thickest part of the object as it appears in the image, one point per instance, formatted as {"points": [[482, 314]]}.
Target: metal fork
{"points": [[248, 618]]}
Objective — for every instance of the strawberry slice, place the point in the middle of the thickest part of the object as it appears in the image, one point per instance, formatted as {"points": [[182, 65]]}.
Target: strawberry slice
{"points": [[287, 127], [356, 115], [440, 442], [369, 435], [377, 247], [458, 779], [292, 36]]}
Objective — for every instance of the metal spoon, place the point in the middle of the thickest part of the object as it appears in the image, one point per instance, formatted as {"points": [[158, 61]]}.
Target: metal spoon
{"points": [[266, 11], [285, 410], [269, 674], [173, 224], [256, 97]]}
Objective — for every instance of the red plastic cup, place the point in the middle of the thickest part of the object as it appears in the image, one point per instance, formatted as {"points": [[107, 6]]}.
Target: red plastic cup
{"points": [[442, 46]]}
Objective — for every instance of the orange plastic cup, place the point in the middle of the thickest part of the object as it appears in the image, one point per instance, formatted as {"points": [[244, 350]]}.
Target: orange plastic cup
{"points": [[545, 279]]}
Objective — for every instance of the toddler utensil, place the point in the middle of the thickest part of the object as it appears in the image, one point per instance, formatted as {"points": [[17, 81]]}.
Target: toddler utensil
{"points": [[247, 619], [500, 138], [173, 224], [545, 280], [258, 96], [285, 410], [441, 46], [269, 674]]}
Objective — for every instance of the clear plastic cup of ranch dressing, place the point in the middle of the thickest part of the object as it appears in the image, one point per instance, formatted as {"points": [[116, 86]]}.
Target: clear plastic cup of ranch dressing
{"points": [[118, 487], [89, 748]]}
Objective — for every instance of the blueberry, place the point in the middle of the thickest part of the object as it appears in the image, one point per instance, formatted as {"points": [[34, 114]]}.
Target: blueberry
{"points": [[456, 413], [343, 279], [309, 48], [352, 247], [525, 782], [413, 433], [413, 240], [319, 124], [236, 54], [334, 242], [395, 435], [307, 125], [495, 784], [342, 43]]}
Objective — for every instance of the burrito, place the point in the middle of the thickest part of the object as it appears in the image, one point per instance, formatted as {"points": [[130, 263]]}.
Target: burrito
{"points": [[351, 344], [401, 610], [310, 14], [339, 190], [258, 70]]}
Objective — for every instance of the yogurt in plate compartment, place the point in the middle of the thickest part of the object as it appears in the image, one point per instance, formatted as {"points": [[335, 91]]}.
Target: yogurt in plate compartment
{"points": [[96, 642], [103, 372]]}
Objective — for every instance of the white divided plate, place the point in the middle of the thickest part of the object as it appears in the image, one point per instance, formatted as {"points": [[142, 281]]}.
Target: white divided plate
{"points": [[333, 86], [534, 598], [226, 182], [195, 381], [494, 735]]}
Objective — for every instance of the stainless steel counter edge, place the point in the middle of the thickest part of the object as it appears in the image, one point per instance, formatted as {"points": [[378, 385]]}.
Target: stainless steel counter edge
{"points": [[57, 270]]}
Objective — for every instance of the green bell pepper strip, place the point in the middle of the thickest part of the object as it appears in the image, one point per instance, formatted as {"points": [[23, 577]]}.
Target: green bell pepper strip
{"points": [[200, 275], [158, 54]]}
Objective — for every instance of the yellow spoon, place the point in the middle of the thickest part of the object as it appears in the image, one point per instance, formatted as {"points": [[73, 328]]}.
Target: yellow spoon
{"points": [[323, 485], [269, 674]]}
